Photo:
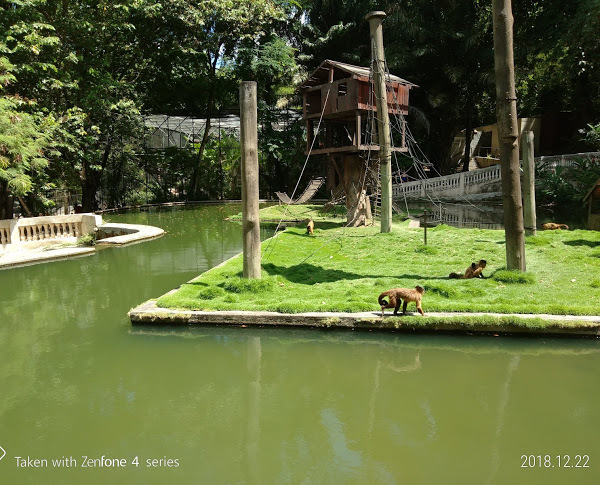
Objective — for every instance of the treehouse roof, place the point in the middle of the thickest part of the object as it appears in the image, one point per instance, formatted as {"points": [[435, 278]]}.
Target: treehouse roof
{"points": [[342, 70]]}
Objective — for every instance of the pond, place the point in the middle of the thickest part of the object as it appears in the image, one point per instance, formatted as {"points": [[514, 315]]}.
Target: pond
{"points": [[123, 404]]}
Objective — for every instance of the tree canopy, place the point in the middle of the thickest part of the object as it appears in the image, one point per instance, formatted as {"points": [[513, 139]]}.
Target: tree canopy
{"points": [[76, 76]]}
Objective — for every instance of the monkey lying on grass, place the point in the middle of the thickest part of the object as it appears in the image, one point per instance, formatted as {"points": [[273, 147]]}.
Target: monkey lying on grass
{"points": [[548, 226], [310, 227], [472, 271], [397, 295]]}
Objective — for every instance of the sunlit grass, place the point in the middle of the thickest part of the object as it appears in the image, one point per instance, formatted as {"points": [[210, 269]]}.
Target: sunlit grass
{"points": [[345, 269]]}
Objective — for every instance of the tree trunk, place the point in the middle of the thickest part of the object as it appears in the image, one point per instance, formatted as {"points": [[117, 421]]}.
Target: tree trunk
{"points": [[468, 136], [25, 207], [508, 133], [90, 183], [6, 201], [357, 207], [196, 182], [91, 180], [250, 173], [383, 122]]}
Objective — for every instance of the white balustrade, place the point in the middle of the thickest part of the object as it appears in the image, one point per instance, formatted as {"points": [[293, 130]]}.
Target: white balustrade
{"points": [[29, 230], [461, 184], [5, 232]]}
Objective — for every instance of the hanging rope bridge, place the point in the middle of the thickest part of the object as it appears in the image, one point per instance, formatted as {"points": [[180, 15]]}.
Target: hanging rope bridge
{"points": [[309, 192]]}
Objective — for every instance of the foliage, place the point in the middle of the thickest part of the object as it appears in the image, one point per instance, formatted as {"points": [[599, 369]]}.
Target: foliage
{"points": [[557, 49], [23, 139], [243, 285], [591, 135], [514, 277], [566, 185], [81, 73], [426, 250], [87, 240], [26, 140]]}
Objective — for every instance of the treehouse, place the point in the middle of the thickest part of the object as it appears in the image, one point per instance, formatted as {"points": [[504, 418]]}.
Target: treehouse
{"points": [[340, 112], [342, 95]]}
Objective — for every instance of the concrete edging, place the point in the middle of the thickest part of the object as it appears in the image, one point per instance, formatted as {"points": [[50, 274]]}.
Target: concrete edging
{"points": [[43, 254], [149, 313], [27, 258], [132, 233]]}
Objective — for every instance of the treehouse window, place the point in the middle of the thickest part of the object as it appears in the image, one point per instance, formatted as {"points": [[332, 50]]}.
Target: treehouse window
{"points": [[342, 89]]}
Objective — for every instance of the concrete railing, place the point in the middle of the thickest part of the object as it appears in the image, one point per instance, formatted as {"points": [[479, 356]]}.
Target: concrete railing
{"points": [[553, 161], [458, 184], [5, 231], [480, 182], [35, 229]]}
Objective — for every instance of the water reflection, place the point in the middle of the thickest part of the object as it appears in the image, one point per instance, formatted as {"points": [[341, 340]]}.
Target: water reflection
{"points": [[360, 407], [484, 214]]}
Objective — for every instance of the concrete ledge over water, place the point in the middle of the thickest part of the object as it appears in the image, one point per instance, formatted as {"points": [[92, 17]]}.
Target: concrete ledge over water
{"points": [[114, 234], [560, 325], [27, 258]]}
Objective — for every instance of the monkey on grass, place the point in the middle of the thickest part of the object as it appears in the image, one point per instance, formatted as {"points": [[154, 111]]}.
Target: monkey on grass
{"points": [[472, 271], [548, 226], [396, 296], [310, 227]]}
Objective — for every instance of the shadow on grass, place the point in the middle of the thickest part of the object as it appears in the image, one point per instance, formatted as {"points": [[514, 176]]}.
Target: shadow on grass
{"points": [[310, 274], [582, 242], [239, 274]]}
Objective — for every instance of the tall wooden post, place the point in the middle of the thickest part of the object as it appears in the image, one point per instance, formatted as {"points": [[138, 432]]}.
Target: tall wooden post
{"points": [[383, 121], [250, 218], [506, 102], [529, 214]]}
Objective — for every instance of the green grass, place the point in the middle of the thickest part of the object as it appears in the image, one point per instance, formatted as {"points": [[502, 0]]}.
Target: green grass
{"points": [[345, 269], [300, 213]]}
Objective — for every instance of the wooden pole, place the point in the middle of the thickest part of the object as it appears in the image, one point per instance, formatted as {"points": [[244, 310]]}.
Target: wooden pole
{"points": [[250, 218], [506, 103], [529, 214], [383, 121]]}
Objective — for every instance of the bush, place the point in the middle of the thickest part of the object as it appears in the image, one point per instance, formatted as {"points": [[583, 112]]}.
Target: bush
{"points": [[425, 250], [210, 293], [513, 276], [242, 285], [87, 240], [446, 291], [566, 185]]}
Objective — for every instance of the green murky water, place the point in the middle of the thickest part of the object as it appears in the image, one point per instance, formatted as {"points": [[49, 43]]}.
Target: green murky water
{"points": [[236, 406]]}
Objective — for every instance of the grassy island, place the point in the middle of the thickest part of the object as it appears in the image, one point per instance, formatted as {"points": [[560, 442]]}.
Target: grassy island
{"points": [[345, 269]]}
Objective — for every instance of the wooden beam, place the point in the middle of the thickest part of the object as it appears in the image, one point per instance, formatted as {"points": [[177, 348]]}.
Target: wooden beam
{"points": [[250, 217]]}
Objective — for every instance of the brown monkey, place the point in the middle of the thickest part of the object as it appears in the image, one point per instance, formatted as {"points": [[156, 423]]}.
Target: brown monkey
{"points": [[552, 225], [472, 271], [397, 295], [310, 227]]}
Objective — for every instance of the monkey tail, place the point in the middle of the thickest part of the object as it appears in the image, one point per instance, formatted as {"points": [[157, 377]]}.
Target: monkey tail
{"points": [[381, 299], [454, 275]]}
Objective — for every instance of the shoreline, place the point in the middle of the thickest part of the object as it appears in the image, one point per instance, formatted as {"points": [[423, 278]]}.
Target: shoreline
{"points": [[436, 322]]}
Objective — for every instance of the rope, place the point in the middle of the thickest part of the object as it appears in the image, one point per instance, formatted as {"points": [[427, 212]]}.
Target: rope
{"points": [[300, 176]]}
